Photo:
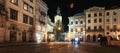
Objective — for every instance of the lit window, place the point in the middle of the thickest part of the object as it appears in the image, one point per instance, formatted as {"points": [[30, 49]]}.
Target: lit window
{"points": [[25, 6], [31, 9], [14, 1]]}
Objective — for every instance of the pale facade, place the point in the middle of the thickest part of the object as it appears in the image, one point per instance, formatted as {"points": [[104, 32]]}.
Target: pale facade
{"points": [[76, 26], [41, 21], [112, 23], [94, 23], [20, 24]]}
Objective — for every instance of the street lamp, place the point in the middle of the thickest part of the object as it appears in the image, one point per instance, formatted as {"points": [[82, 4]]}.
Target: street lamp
{"points": [[59, 28]]}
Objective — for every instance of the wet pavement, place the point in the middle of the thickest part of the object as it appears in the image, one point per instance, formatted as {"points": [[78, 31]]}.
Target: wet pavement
{"points": [[59, 48]]}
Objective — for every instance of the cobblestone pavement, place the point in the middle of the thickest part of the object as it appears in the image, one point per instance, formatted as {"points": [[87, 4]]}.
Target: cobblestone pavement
{"points": [[59, 48]]}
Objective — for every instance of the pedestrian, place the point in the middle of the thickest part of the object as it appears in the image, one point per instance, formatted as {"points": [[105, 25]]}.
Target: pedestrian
{"points": [[48, 40]]}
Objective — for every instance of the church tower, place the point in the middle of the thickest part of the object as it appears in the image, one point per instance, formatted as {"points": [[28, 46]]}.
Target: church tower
{"points": [[58, 17]]}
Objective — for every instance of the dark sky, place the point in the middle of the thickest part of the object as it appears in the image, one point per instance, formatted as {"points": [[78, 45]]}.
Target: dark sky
{"points": [[79, 6]]}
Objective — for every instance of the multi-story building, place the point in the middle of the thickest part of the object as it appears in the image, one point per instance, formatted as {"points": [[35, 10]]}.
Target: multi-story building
{"points": [[20, 24], [112, 22], [76, 26], [94, 23], [2, 19], [41, 21]]}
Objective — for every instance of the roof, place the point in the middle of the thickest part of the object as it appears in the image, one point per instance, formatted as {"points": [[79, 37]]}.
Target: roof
{"points": [[79, 14]]}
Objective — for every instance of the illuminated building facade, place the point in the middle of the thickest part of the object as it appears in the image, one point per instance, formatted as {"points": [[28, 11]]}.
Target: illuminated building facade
{"points": [[112, 23], [20, 24], [41, 21], [77, 26], [94, 23], [102, 23]]}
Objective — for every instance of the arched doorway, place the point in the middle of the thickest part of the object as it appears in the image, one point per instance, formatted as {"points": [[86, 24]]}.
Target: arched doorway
{"points": [[94, 38], [13, 33], [88, 37], [99, 36]]}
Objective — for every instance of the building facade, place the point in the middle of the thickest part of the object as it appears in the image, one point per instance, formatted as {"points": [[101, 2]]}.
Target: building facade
{"points": [[2, 19], [94, 23], [77, 26], [112, 23], [41, 21], [102, 23], [19, 26]]}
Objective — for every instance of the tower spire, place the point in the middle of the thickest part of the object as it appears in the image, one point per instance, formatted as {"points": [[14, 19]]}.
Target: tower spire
{"points": [[58, 11]]}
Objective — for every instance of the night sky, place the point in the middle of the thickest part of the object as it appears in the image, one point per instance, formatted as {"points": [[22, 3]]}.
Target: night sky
{"points": [[79, 6]]}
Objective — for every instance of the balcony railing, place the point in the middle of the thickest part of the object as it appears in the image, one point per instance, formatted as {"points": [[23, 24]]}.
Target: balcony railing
{"points": [[95, 30]]}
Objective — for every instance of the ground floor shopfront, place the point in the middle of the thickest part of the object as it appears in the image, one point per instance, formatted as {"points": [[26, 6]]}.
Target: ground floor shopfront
{"points": [[17, 32]]}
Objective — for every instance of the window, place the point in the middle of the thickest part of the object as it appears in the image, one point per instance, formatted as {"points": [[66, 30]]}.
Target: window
{"points": [[95, 27], [28, 7], [13, 14], [76, 22], [14, 2], [31, 9], [25, 18], [31, 0], [76, 30], [107, 27], [25, 6], [81, 22], [95, 15], [89, 28], [71, 22], [89, 21], [100, 27], [107, 20], [71, 30], [100, 20], [100, 14], [107, 13], [30, 20], [95, 20], [89, 15], [114, 20], [114, 27], [114, 13]]}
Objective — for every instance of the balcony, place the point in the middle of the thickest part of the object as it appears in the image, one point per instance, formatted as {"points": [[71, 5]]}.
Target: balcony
{"points": [[95, 30]]}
